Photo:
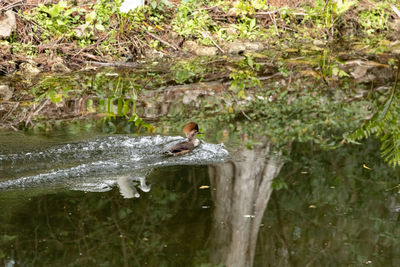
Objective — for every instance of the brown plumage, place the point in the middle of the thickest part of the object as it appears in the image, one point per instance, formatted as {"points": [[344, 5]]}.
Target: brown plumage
{"points": [[190, 130]]}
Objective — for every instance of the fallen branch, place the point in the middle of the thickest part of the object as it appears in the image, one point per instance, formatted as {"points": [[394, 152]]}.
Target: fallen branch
{"points": [[206, 34], [10, 6], [10, 111], [396, 10], [35, 112], [114, 64]]}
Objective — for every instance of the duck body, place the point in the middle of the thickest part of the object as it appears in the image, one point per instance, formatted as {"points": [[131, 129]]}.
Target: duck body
{"points": [[184, 147]]}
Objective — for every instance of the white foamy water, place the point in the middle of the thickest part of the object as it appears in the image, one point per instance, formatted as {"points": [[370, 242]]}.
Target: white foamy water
{"points": [[100, 164]]}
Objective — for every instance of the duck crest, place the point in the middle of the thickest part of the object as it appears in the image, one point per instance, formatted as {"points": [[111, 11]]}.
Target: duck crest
{"points": [[191, 129]]}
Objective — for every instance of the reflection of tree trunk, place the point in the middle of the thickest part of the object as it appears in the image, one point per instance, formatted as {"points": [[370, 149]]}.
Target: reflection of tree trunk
{"points": [[242, 190]]}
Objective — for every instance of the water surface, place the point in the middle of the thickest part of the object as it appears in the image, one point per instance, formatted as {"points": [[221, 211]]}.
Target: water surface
{"points": [[114, 200]]}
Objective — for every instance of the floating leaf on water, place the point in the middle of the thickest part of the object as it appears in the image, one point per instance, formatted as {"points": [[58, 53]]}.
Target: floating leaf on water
{"points": [[366, 167]]}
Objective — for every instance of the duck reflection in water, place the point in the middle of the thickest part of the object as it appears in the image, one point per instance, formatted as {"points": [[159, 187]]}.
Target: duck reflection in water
{"points": [[127, 186], [184, 147]]}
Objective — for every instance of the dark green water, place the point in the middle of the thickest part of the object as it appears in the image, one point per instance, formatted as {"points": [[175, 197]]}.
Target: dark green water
{"points": [[204, 209]]}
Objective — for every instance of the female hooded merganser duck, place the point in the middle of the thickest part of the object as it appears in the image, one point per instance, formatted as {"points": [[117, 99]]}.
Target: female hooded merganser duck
{"points": [[190, 130]]}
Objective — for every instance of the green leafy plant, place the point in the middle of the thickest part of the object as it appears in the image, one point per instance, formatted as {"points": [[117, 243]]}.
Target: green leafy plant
{"points": [[65, 20], [190, 21], [374, 20], [248, 8], [385, 125], [58, 19], [245, 76], [248, 28], [21, 48], [328, 13]]}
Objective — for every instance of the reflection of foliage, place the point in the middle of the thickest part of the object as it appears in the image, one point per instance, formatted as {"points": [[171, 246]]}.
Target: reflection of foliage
{"points": [[303, 112], [113, 95], [185, 71], [335, 213], [5, 240], [385, 124], [303, 115], [245, 76], [285, 106], [124, 108], [328, 66], [307, 117], [330, 216], [103, 229]]}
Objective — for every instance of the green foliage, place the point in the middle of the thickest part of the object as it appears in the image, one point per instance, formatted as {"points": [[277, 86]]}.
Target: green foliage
{"points": [[329, 66], [249, 8], [342, 6], [245, 76], [327, 14], [103, 24], [150, 19], [375, 19], [278, 184], [64, 19], [58, 19], [193, 22], [24, 49], [248, 28], [187, 71], [385, 125]]}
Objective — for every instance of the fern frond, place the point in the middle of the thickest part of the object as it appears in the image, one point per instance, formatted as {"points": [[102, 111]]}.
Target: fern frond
{"points": [[385, 125], [390, 148]]}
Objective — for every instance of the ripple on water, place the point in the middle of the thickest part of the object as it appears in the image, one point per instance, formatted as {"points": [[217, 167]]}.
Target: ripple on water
{"points": [[99, 164]]}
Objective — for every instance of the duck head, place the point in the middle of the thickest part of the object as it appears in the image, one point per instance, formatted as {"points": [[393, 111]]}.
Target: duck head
{"points": [[191, 129]]}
